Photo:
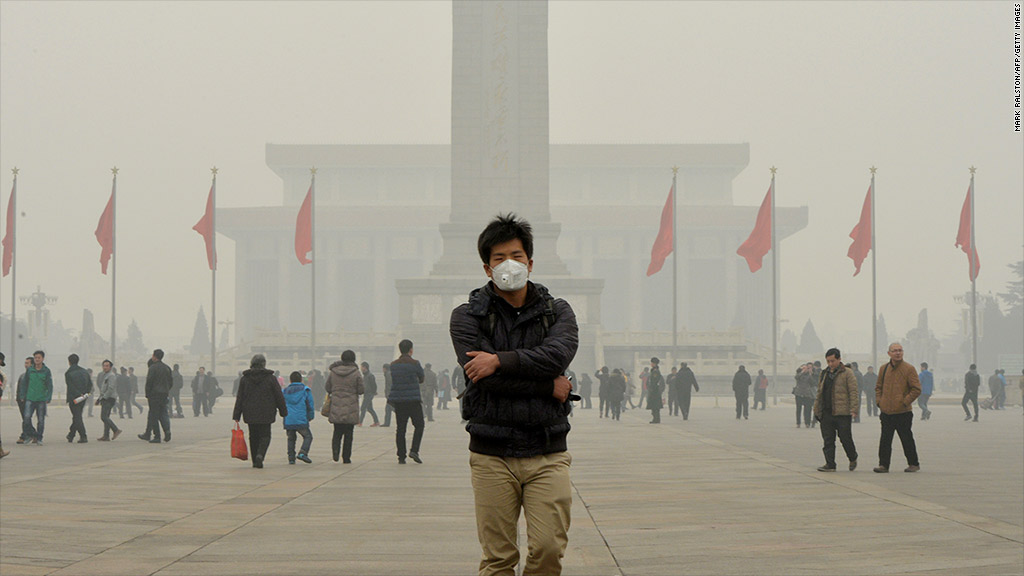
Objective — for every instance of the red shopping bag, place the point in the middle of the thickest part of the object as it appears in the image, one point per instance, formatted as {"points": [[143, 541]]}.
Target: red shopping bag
{"points": [[238, 447]]}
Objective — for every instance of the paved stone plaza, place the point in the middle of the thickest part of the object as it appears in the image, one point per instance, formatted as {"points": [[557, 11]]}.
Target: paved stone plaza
{"points": [[709, 496]]}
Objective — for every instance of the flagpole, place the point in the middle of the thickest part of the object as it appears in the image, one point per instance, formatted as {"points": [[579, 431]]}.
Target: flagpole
{"points": [[675, 266], [972, 260], [775, 291], [113, 269], [213, 295], [312, 269], [874, 288], [14, 260]]}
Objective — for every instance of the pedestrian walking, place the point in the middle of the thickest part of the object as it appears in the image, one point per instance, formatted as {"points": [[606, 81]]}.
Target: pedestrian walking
{"points": [[19, 395], [344, 385], [106, 397], [603, 405], [804, 393], [927, 386], [201, 386], [157, 388], [79, 385], [133, 380], [428, 391], [687, 383], [741, 388], [586, 389], [761, 390], [3, 385], [38, 393], [259, 397], [616, 393], [298, 400], [178, 383], [404, 398], [870, 377], [897, 388], [388, 409], [124, 394], [836, 402], [972, 382], [655, 389], [516, 342], [369, 391]]}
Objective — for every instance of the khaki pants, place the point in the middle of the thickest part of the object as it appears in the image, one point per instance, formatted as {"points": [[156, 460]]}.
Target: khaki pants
{"points": [[540, 486]]}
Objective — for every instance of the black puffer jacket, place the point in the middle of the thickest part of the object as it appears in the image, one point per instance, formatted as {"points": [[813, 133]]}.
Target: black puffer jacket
{"points": [[259, 396], [512, 413]]}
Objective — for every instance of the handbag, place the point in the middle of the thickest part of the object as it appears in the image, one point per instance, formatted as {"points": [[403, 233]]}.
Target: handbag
{"points": [[326, 410], [238, 448]]}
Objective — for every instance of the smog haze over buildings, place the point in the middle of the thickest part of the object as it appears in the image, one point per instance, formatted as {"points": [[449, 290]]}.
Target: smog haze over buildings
{"points": [[822, 91]]}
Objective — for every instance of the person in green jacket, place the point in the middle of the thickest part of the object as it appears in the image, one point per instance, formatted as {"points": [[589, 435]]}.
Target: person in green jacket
{"points": [[38, 394]]}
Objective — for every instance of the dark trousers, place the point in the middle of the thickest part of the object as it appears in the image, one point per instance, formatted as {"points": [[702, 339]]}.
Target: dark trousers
{"points": [[803, 406], [123, 405], [387, 413], [368, 407], [683, 404], [742, 404], [656, 415], [176, 396], [158, 418], [135, 402], [404, 411], [603, 407], [106, 407], [970, 397], [77, 426], [341, 442], [869, 403], [616, 408], [428, 409], [259, 441], [200, 402], [307, 441], [585, 403], [837, 425], [760, 395], [672, 398], [900, 424], [922, 401]]}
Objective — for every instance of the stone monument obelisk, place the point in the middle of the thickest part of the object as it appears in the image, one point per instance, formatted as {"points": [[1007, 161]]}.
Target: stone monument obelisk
{"points": [[500, 163]]}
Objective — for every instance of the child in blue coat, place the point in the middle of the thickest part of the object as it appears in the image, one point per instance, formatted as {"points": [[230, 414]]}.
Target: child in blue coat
{"points": [[299, 399]]}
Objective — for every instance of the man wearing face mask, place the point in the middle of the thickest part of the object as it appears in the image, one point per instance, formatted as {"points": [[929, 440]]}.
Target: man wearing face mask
{"points": [[515, 341]]}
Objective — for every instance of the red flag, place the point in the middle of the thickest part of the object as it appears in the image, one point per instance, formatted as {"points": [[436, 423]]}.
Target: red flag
{"points": [[304, 229], [205, 229], [861, 235], [963, 236], [663, 243], [105, 233], [9, 236], [760, 240]]}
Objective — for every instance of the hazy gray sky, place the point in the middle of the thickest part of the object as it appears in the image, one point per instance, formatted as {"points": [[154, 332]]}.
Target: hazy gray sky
{"points": [[821, 90]]}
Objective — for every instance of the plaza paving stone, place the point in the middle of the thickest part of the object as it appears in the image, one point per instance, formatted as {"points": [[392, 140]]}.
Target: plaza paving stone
{"points": [[712, 495]]}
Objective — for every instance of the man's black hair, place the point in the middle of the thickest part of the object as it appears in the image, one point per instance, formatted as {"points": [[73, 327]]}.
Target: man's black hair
{"points": [[159, 354], [834, 352], [348, 356], [405, 346], [924, 365], [40, 352], [502, 229], [974, 366], [295, 376], [73, 359]]}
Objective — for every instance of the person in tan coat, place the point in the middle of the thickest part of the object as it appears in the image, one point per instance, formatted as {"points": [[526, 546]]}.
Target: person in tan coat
{"points": [[344, 385], [895, 391], [835, 406]]}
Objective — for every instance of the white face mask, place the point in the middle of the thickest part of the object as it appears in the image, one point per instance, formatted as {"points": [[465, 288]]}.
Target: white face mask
{"points": [[510, 275]]}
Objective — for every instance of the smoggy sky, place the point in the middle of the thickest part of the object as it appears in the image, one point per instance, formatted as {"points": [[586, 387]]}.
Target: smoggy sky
{"points": [[822, 91]]}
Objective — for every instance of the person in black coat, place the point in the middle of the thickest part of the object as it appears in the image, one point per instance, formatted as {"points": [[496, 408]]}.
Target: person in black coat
{"points": [[603, 404], [741, 388], [685, 380], [586, 386], [259, 396], [159, 382], [655, 388]]}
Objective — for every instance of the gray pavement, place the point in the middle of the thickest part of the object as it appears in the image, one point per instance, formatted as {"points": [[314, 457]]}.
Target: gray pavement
{"points": [[713, 495]]}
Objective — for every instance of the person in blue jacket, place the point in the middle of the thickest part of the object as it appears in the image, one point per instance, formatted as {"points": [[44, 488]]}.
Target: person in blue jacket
{"points": [[299, 399], [927, 387]]}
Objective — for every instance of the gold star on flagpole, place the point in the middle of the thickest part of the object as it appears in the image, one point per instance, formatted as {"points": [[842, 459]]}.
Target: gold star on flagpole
{"points": [[15, 170], [773, 169], [214, 170], [675, 170], [114, 170], [312, 170], [972, 169], [873, 169]]}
